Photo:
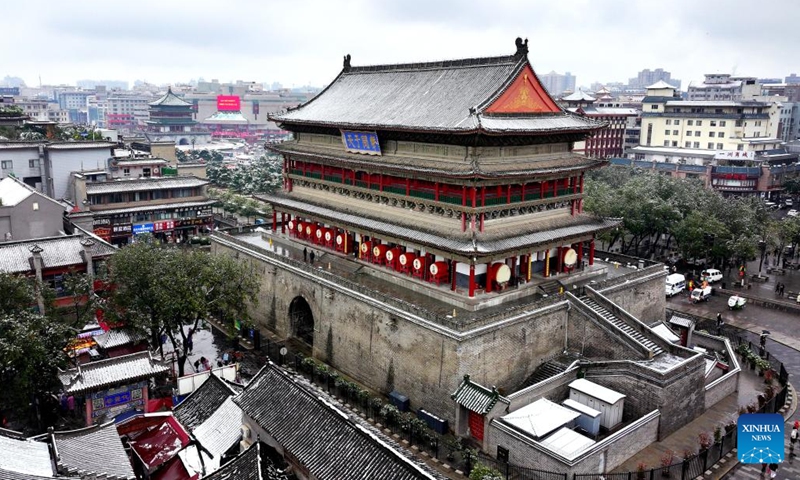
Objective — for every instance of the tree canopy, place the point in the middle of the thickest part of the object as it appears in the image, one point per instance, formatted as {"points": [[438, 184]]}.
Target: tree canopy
{"points": [[165, 290]]}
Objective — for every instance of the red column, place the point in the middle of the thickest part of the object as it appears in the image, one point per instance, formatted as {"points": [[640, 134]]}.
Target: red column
{"points": [[471, 280], [436, 193], [522, 198], [560, 260], [483, 196], [580, 254], [453, 275], [473, 194], [408, 186], [481, 227], [380, 182], [508, 194], [541, 188], [274, 220], [283, 222], [591, 252], [463, 195], [463, 221]]}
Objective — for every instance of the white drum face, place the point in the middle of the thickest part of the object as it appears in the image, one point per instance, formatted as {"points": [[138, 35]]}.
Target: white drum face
{"points": [[389, 255], [571, 257], [503, 274], [328, 236], [376, 251], [434, 269], [338, 239], [364, 248]]}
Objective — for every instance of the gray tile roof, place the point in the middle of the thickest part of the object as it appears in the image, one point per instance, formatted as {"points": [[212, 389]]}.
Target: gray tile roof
{"points": [[112, 371], [477, 398], [447, 96], [93, 452], [170, 99], [144, 184], [319, 436], [201, 404], [80, 145], [117, 338], [538, 233], [252, 464], [146, 208], [16, 257], [24, 457], [222, 430]]}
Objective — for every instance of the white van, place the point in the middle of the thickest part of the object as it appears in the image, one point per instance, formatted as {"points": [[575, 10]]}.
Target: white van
{"points": [[676, 283], [711, 275]]}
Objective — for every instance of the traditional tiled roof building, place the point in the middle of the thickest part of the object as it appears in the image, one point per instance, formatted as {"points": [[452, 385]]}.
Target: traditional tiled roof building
{"points": [[92, 452], [474, 155]]}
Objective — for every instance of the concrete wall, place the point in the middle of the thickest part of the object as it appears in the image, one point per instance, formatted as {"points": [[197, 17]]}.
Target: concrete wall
{"points": [[555, 389], [600, 458], [64, 162], [588, 339], [23, 222], [643, 297], [721, 388]]}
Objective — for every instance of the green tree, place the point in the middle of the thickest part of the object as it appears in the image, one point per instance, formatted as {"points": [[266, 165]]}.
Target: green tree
{"points": [[83, 302], [164, 290], [482, 472], [17, 293]]}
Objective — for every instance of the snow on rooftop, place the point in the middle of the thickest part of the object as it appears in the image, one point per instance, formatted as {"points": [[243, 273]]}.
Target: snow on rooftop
{"points": [[664, 332], [540, 417], [567, 443], [579, 407], [597, 391]]}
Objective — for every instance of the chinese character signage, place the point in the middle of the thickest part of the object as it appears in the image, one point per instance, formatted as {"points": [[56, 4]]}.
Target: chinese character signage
{"points": [[361, 142], [115, 401], [760, 438], [734, 155], [168, 225], [142, 228], [228, 103]]}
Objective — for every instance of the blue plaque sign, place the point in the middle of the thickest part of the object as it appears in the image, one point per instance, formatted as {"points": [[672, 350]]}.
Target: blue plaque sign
{"points": [[142, 228], [361, 142]]}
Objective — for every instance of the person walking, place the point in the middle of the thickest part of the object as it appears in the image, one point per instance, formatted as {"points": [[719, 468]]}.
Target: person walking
{"points": [[190, 341], [311, 256], [793, 438], [305, 255], [777, 287], [782, 287]]}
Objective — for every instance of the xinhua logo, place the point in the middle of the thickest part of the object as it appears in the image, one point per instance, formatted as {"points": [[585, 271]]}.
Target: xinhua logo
{"points": [[760, 438]]}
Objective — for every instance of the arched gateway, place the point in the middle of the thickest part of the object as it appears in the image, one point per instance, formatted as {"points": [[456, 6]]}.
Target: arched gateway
{"points": [[302, 320]]}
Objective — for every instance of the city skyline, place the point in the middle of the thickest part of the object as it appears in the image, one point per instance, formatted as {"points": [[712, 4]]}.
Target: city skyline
{"points": [[174, 42]]}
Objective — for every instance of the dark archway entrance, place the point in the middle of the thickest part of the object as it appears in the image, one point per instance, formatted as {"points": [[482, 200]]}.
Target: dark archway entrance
{"points": [[183, 141], [302, 320]]}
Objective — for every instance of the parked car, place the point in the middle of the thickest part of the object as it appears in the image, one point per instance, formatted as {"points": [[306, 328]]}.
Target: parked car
{"points": [[788, 202], [736, 302], [711, 275], [771, 205], [792, 213], [675, 284]]}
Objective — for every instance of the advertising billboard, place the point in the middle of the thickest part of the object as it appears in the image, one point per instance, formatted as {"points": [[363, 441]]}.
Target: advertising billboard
{"points": [[228, 103]]}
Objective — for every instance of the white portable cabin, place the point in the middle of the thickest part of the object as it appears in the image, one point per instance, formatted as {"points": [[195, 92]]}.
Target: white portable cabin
{"points": [[598, 397], [589, 420], [540, 418]]}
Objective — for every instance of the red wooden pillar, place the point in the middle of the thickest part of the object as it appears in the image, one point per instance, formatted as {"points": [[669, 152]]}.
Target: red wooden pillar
{"points": [[560, 260], [453, 275], [547, 263], [274, 220], [481, 226], [463, 195], [483, 196], [463, 221], [436, 192], [591, 252], [380, 182], [471, 280], [580, 254], [283, 222], [473, 195], [572, 207], [508, 194], [408, 186], [541, 188]]}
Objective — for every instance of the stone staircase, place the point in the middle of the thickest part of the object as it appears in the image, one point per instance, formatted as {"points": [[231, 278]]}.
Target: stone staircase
{"points": [[544, 371], [621, 324], [550, 288]]}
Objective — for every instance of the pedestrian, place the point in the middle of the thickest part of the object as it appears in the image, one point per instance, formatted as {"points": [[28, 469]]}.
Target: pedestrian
{"points": [[311, 256], [772, 470], [720, 323], [205, 363], [782, 287], [793, 437], [305, 255], [777, 287], [189, 342], [197, 366]]}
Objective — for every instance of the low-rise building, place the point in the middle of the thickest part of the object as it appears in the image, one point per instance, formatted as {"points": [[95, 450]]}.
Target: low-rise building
{"points": [[26, 214], [609, 141]]}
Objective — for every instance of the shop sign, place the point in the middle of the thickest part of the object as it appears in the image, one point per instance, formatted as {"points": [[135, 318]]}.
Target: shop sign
{"points": [[734, 155], [121, 229], [206, 212], [190, 222], [142, 228], [103, 232], [101, 222], [361, 142], [115, 401], [167, 225]]}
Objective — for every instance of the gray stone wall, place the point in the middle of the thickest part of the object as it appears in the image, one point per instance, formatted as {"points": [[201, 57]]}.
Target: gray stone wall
{"points": [[720, 389], [643, 298], [591, 341], [555, 389]]}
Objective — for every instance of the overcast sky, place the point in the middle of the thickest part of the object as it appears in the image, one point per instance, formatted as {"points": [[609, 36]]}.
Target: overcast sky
{"points": [[302, 42]]}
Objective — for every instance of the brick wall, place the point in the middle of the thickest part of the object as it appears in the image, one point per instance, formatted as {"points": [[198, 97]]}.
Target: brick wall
{"points": [[644, 298], [591, 341]]}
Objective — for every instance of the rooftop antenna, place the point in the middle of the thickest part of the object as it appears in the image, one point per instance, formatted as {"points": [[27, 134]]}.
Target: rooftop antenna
{"points": [[40, 80]]}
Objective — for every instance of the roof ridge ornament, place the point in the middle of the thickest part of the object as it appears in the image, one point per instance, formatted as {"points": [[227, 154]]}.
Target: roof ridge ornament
{"points": [[522, 47], [347, 63]]}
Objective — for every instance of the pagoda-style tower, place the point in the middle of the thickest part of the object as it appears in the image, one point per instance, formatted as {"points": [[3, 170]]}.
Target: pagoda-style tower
{"points": [[459, 174], [171, 120]]}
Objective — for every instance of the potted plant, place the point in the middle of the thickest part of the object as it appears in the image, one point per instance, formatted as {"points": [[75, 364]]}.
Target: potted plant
{"points": [[769, 376], [717, 434], [705, 440], [667, 459], [640, 471]]}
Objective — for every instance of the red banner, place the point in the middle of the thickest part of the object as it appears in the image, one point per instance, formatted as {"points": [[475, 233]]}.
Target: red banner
{"points": [[229, 103]]}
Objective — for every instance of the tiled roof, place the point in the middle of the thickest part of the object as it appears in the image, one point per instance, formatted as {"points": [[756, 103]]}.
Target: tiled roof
{"points": [[24, 457], [16, 257], [93, 452], [12, 191], [146, 208], [321, 437], [477, 398], [447, 96], [9, 475], [531, 235], [252, 464], [203, 402], [170, 99], [223, 429], [144, 184], [227, 117], [117, 338], [579, 96], [112, 371]]}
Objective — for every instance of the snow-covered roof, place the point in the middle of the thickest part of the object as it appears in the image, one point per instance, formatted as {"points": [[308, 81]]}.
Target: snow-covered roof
{"points": [[567, 443], [581, 408], [664, 332], [597, 391], [25, 456], [13, 191], [660, 85], [540, 417]]}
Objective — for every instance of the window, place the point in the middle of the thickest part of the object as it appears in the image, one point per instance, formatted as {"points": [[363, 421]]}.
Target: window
{"points": [[689, 122], [669, 121], [740, 147], [674, 143], [688, 144], [666, 143], [677, 122], [699, 122], [653, 107], [33, 163], [696, 145], [7, 164], [711, 134], [758, 123], [688, 133], [697, 133], [717, 110], [666, 132], [711, 145], [719, 146], [738, 123], [674, 132], [126, 172], [713, 123]]}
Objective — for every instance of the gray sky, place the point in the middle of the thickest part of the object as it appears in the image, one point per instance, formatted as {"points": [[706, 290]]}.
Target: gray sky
{"points": [[301, 42]]}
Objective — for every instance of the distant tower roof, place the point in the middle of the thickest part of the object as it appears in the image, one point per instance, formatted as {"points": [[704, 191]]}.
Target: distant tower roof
{"points": [[579, 96], [170, 98], [661, 84]]}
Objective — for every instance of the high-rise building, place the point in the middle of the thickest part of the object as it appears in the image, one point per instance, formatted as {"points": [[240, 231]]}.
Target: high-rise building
{"points": [[722, 86], [648, 77], [556, 84], [793, 79]]}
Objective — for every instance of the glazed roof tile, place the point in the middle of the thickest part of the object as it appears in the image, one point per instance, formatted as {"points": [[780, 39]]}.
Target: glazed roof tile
{"points": [[24, 457], [477, 398], [117, 338], [144, 184], [16, 257], [93, 452], [446, 96], [321, 437], [201, 404], [252, 464], [112, 371]]}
